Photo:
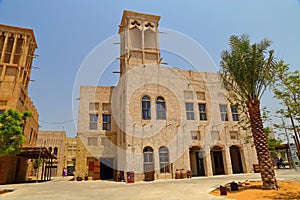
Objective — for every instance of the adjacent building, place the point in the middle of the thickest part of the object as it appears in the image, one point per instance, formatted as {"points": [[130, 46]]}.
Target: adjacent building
{"points": [[54, 141], [70, 153], [158, 119], [17, 46], [62, 147]]}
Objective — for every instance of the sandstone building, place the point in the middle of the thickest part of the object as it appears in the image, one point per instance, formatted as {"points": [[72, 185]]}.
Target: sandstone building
{"points": [[17, 46], [70, 153], [55, 142], [62, 147], [158, 119]]}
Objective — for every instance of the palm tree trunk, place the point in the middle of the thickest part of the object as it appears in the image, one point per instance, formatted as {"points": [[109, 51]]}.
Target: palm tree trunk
{"points": [[261, 146]]}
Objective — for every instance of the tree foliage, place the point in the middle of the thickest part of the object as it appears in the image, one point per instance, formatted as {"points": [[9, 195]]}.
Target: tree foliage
{"points": [[247, 71], [272, 143], [287, 90], [11, 131], [37, 163]]}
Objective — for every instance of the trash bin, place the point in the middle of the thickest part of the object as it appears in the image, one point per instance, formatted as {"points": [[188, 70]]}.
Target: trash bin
{"points": [[223, 190], [130, 177]]}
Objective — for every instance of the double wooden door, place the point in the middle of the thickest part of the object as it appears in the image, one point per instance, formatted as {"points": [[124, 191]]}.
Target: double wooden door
{"points": [[218, 163]]}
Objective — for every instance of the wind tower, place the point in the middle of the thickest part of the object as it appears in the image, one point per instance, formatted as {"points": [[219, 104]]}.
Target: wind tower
{"points": [[17, 46], [139, 40]]}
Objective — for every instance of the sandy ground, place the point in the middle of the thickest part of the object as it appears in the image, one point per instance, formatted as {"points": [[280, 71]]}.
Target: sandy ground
{"points": [[287, 190], [196, 188]]}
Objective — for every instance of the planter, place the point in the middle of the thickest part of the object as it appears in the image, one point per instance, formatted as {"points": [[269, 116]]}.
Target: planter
{"points": [[177, 174], [189, 174], [182, 173]]}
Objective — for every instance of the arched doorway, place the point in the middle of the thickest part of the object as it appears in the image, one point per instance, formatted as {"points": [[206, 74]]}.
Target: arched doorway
{"points": [[217, 161], [236, 160], [106, 168], [148, 164], [197, 161]]}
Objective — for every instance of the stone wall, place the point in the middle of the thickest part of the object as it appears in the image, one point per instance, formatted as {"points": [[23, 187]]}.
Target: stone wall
{"points": [[12, 169]]}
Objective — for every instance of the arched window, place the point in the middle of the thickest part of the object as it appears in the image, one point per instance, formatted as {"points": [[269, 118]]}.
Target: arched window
{"points": [[164, 159], [146, 108], [50, 149], [55, 150], [160, 108], [148, 155]]}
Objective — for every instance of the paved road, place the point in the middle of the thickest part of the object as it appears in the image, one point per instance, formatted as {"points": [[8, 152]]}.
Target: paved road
{"points": [[195, 188]]}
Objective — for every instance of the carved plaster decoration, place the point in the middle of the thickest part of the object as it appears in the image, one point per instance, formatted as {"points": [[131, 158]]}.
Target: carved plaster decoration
{"points": [[149, 25], [134, 24]]}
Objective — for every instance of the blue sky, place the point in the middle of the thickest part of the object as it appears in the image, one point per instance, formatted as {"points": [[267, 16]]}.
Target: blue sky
{"points": [[67, 31]]}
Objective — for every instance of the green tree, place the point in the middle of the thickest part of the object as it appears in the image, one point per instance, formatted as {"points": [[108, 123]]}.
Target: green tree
{"points": [[287, 90], [37, 163], [247, 71], [11, 131], [272, 143]]}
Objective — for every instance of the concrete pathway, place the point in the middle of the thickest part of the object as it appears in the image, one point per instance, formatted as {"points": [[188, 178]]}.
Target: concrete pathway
{"points": [[195, 188]]}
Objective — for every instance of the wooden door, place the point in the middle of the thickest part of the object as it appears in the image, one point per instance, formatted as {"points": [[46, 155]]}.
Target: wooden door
{"points": [[96, 170], [218, 163], [148, 164], [200, 164], [149, 172]]}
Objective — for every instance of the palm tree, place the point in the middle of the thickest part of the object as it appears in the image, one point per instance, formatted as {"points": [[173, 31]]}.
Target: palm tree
{"points": [[247, 70]]}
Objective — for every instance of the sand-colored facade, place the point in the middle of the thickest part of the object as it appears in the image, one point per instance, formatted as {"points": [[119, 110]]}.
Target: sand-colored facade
{"points": [[70, 153], [158, 119], [92, 141], [55, 142], [17, 46], [63, 147]]}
